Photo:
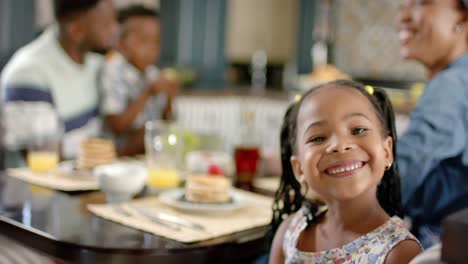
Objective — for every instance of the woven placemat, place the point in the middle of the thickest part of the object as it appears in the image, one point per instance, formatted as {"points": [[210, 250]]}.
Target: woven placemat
{"points": [[55, 180], [256, 212]]}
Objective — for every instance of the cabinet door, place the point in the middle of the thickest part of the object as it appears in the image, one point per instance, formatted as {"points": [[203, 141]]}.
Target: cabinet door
{"points": [[261, 24]]}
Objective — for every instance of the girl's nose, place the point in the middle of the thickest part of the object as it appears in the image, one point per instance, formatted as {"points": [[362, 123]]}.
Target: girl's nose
{"points": [[340, 145]]}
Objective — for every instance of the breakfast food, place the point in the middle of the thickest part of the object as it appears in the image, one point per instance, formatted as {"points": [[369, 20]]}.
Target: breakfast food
{"points": [[327, 73], [207, 189], [170, 74], [94, 152], [209, 162], [321, 74]]}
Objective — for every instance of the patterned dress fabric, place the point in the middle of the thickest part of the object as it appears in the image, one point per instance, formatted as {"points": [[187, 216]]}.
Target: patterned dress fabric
{"points": [[371, 248]]}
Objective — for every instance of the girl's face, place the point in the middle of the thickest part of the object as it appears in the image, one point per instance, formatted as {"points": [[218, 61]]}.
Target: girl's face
{"points": [[341, 147], [427, 32]]}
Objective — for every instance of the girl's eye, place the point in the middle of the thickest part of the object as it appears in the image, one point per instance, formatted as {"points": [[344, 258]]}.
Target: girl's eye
{"points": [[359, 131], [317, 139]]}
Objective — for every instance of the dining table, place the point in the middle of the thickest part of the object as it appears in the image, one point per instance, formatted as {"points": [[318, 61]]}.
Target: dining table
{"points": [[59, 225]]}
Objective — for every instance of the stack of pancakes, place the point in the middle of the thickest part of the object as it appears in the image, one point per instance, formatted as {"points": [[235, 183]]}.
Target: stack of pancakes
{"points": [[207, 189], [94, 152]]}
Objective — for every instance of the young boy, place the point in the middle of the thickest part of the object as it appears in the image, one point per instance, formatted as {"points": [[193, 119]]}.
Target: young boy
{"points": [[133, 89]]}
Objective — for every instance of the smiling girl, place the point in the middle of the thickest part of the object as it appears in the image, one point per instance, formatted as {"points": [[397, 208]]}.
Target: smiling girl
{"points": [[341, 144]]}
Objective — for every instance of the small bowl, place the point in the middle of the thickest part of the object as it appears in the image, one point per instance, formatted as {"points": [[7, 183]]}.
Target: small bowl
{"points": [[120, 181]]}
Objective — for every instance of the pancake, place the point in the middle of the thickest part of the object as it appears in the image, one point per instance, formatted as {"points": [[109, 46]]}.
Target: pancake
{"points": [[207, 189], [94, 152]]}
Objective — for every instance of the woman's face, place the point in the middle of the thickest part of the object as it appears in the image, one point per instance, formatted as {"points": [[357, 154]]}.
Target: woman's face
{"points": [[341, 148], [427, 31]]}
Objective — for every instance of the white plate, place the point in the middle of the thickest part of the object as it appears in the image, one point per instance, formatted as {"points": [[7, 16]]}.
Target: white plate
{"points": [[173, 199]]}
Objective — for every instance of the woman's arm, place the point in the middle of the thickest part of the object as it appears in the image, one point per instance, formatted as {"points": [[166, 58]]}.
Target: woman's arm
{"points": [[436, 131]]}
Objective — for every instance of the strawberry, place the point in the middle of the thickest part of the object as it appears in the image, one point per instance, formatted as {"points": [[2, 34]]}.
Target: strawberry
{"points": [[214, 169]]}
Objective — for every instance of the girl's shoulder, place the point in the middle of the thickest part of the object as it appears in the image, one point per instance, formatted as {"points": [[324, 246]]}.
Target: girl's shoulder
{"points": [[387, 236], [298, 222], [403, 252], [277, 254], [400, 246], [391, 241]]}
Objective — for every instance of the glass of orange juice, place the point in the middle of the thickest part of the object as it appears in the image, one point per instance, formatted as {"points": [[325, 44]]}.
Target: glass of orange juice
{"points": [[163, 147], [43, 150], [42, 161]]}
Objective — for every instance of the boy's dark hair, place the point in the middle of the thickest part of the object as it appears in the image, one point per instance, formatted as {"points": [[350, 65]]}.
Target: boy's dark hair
{"points": [[135, 11], [65, 8], [288, 197]]}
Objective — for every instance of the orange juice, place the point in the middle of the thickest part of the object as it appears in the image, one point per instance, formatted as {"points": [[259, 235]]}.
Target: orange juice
{"points": [[163, 178], [42, 161]]}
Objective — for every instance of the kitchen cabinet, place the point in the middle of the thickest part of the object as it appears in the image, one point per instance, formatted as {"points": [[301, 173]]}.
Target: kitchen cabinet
{"points": [[261, 24]]}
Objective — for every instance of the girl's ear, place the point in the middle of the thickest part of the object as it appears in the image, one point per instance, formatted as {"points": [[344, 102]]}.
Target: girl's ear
{"points": [[388, 148], [296, 166]]}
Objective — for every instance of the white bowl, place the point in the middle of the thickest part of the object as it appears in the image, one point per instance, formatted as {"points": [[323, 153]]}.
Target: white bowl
{"points": [[120, 181]]}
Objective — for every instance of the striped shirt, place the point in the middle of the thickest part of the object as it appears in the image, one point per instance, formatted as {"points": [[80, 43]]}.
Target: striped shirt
{"points": [[42, 84]]}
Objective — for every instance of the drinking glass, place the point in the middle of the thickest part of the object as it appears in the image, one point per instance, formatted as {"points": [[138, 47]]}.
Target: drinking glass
{"points": [[164, 146], [246, 159], [43, 148]]}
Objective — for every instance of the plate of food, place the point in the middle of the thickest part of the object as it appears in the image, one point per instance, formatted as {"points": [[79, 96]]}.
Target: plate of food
{"points": [[205, 194]]}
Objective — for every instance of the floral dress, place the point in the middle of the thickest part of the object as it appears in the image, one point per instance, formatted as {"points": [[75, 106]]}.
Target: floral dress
{"points": [[371, 248]]}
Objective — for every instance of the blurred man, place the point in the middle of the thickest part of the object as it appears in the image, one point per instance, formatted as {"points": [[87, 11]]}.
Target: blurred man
{"points": [[56, 76]]}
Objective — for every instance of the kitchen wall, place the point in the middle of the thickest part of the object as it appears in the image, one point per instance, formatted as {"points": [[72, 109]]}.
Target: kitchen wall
{"points": [[16, 20], [366, 41]]}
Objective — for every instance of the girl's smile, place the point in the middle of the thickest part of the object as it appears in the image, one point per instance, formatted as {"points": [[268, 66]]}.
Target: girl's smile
{"points": [[344, 168]]}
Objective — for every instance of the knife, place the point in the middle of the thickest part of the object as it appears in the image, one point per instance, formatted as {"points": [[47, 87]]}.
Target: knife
{"points": [[124, 211], [170, 219]]}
